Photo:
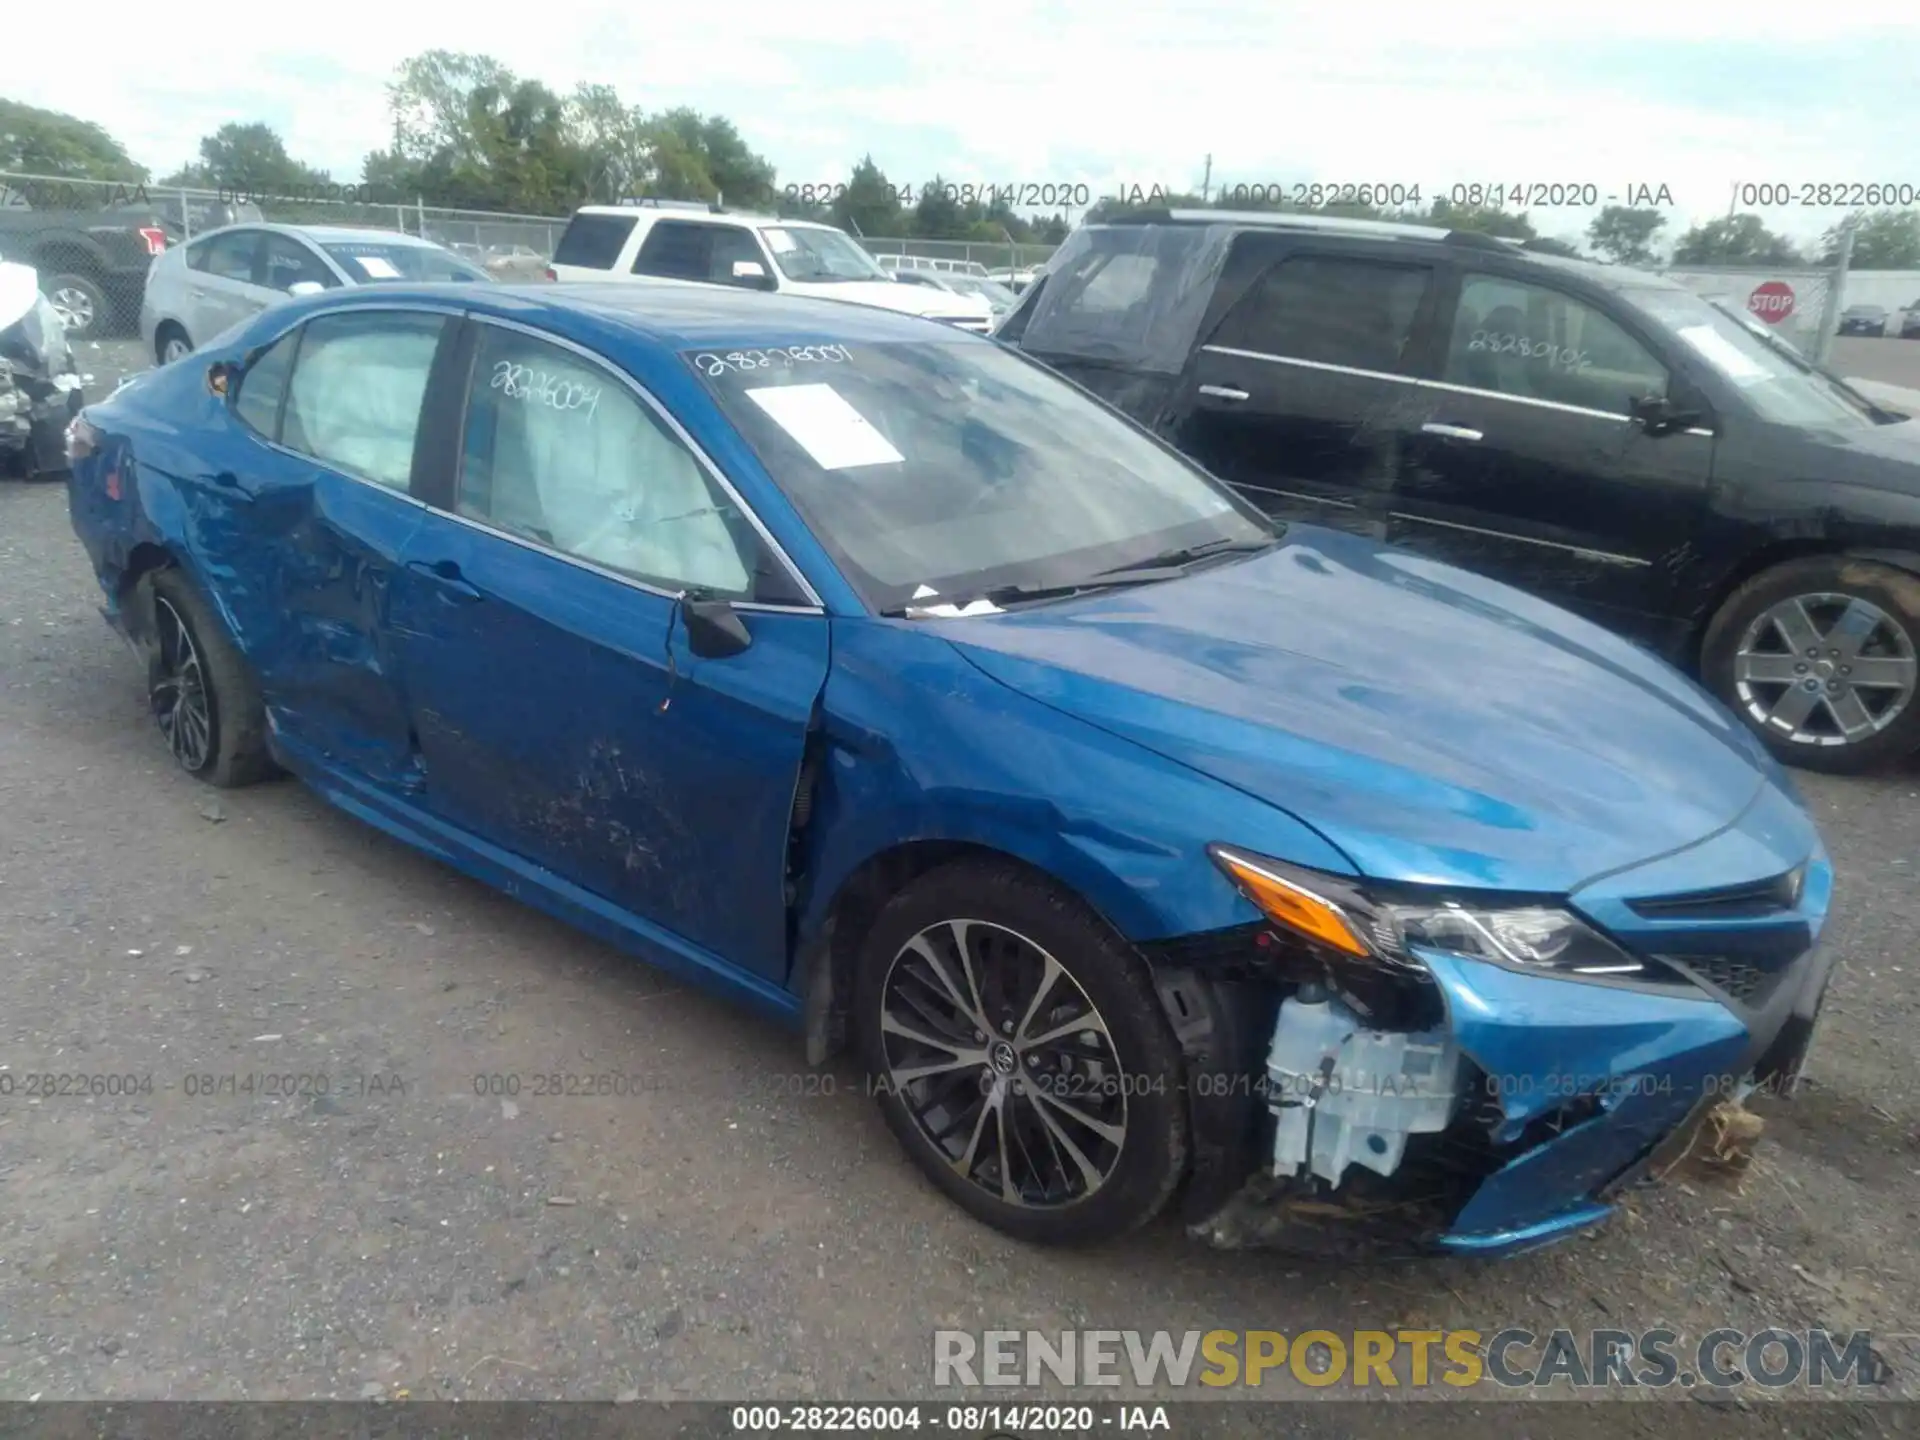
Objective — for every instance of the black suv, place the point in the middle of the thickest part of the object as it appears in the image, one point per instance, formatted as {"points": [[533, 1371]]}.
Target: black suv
{"points": [[1598, 436]]}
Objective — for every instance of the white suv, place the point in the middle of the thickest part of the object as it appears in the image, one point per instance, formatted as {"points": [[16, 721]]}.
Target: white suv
{"points": [[659, 242]]}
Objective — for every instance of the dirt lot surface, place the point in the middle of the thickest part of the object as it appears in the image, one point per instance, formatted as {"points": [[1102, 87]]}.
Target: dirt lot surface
{"points": [[730, 1231]]}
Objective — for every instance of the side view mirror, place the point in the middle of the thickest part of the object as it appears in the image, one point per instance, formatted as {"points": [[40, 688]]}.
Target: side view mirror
{"points": [[715, 629], [1657, 415], [305, 287], [753, 274]]}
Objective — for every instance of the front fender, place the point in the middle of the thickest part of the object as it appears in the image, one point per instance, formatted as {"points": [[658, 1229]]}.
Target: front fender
{"points": [[921, 746]]}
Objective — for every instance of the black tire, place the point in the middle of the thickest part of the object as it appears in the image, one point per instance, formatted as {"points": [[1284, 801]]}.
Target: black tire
{"points": [[100, 310], [235, 749], [1893, 593], [1142, 1169], [169, 330]]}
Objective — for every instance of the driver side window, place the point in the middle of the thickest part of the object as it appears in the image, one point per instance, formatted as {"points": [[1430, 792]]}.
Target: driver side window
{"points": [[559, 451]]}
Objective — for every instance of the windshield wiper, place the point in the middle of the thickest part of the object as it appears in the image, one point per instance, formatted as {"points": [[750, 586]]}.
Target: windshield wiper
{"points": [[1174, 562], [1002, 595]]}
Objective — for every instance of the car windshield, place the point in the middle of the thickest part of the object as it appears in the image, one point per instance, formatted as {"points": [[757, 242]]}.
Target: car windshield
{"points": [[1776, 382], [935, 472], [374, 262], [994, 294], [805, 253]]}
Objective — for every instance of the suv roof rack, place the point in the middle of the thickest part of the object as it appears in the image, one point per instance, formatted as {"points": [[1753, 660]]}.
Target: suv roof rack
{"points": [[1329, 224], [651, 202]]}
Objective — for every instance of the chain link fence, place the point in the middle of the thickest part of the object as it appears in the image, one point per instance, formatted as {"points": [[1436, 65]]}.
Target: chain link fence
{"points": [[1800, 305], [988, 254], [497, 239]]}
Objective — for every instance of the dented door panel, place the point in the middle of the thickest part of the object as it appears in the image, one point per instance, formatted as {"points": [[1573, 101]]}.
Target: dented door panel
{"points": [[304, 558], [561, 716]]}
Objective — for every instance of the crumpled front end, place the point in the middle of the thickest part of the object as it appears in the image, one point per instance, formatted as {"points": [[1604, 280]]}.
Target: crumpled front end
{"points": [[1453, 1101], [40, 390]]}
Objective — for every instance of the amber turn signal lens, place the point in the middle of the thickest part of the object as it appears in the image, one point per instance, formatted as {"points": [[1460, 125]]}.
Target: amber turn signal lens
{"points": [[1292, 906]]}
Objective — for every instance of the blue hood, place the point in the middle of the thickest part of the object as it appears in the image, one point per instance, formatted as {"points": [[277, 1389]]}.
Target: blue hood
{"points": [[1435, 725]]}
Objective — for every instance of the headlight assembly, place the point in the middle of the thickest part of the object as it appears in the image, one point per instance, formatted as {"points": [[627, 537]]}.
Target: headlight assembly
{"points": [[1348, 922]]}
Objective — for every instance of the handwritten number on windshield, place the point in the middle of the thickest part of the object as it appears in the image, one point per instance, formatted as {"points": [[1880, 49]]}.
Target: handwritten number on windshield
{"points": [[778, 358]]}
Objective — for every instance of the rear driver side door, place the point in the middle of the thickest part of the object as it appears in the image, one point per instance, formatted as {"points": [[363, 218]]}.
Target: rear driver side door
{"points": [[1300, 395]]}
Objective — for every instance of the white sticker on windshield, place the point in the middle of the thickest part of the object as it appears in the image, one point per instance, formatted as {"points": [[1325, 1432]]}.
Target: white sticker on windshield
{"points": [[835, 434], [378, 266], [780, 242], [1721, 353]]}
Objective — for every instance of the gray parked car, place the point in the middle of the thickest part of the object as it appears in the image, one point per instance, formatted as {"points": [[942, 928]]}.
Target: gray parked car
{"points": [[197, 290]]}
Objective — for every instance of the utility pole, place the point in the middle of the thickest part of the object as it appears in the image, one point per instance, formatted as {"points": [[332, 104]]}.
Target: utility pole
{"points": [[1206, 182]]}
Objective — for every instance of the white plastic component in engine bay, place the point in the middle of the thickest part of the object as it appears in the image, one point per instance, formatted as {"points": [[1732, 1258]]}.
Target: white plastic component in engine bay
{"points": [[1346, 1095]]}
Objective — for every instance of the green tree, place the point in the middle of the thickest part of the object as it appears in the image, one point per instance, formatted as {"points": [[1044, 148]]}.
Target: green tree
{"points": [[870, 205], [247, 157], [1625, 235], [1482, 219], [1735, 240], [1884, 240], [617, 144], [49, 142]]}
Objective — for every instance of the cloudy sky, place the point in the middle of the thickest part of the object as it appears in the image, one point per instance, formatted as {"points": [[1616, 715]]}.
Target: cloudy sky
{"points": [[1694, 97]]}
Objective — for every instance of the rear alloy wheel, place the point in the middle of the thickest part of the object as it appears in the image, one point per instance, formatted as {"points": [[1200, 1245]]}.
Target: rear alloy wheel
{"points": [[202, 695], [1821, 657], [1021, 1056], [174, 345], [178, 694]]}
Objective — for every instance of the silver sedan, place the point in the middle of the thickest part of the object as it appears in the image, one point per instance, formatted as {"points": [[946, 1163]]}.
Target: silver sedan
{"points": [[197, 290]]}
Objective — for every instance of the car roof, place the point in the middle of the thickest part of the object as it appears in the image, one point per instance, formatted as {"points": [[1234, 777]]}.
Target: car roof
{"points": [[335, 234], [1611, 277], [680, 317], [691, 212]]}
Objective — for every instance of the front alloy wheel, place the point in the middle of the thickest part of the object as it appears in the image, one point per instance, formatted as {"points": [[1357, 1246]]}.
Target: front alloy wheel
{"points": [[1004, 1063], [1826, 669], [1821, 658], [1020, 1054]]}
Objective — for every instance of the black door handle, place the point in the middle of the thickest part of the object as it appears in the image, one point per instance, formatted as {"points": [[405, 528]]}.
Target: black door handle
{"points": [[446, 574]]}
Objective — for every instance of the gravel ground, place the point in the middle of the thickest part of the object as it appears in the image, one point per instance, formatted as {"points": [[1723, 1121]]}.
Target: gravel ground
{"points": [[731, 1231]]}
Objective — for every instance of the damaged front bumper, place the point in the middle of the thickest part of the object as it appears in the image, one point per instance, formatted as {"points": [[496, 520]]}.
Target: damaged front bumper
{"points": [[1529, 1103]]}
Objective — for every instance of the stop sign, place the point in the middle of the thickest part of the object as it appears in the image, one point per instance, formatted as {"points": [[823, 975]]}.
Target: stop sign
{"points": [[1772, 301]]}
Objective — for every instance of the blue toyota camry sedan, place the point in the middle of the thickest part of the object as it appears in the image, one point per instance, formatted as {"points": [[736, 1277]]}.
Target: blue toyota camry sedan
{"points": [[1148, 855]]}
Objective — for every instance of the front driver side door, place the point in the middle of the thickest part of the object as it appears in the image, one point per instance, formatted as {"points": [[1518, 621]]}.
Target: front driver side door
{"points": [[561, 714]]}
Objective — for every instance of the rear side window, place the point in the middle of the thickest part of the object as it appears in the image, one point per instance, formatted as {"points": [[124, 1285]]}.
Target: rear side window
{"points": [[354, 401], [231, 256], [1357, 313], [593, 242], [677, 250], [1129, 295]]}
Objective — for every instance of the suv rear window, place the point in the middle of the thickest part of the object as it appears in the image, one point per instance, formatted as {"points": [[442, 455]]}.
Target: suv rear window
{"points": [[593, 242], [1129, 294]]}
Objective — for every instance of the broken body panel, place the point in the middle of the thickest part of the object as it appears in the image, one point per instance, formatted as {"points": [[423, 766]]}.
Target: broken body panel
{"points": [[734, 820]]}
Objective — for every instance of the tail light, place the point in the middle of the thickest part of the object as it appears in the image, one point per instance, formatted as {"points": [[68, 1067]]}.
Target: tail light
{"points": [[82, 439], [155, 237], [550, 274]]}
